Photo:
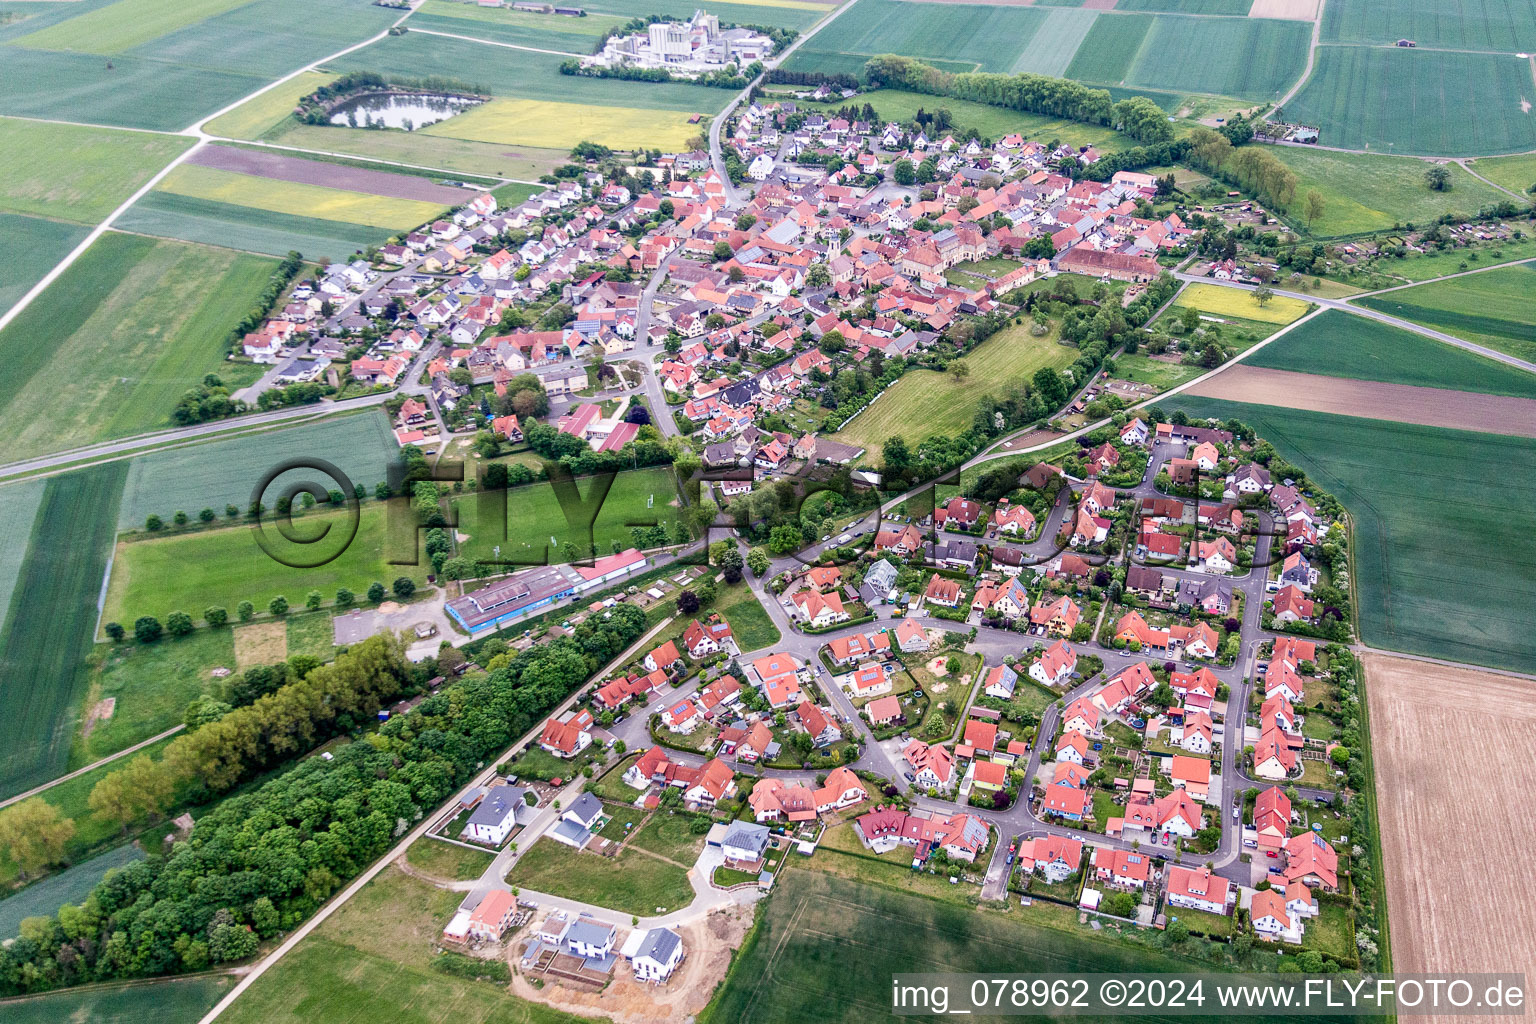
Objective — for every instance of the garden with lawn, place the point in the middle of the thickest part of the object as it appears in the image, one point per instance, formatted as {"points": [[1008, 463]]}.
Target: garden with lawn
{"points": [[630, 883]]}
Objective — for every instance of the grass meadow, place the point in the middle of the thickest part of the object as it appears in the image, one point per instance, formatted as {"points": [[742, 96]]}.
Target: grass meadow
{"points": [[750, 623], [372, 960], [73, 172], [1236, 302], [991, 122], [631, 883], [1375, 192], [925, 402], [1256, 59], [446, 860], [1442, 518], [1417, 101], [534, 515], [1491, 308], [119, 338], [297, 199], [1516, 173], [1338, 344], [193, 571], [168, 1001], [246, 228], [44, 645]]}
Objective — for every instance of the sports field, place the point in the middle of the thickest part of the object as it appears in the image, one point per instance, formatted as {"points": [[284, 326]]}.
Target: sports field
{"points": [[925, 402], [552, 125], [296, 199], [217, 473], [33, 247], [1418, 101], [534, 515], [171, 1001], [223, 567], [1220, 301], [1374, 192], [1338, 344], [1490, 308], [119, 337], [256, 117], [76, 173], [246, 228], [124, 24], [1502, 25], [44, 644], [1441, 522]]}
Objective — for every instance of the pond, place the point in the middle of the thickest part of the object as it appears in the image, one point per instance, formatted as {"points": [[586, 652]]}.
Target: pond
{"points": [[398, 110]]}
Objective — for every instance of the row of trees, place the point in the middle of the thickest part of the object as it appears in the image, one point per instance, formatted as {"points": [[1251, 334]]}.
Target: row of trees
{"points": [[263, 861], [147, 628]]}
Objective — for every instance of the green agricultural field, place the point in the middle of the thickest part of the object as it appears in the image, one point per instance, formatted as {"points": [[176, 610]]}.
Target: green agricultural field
{"points": [[1256, 59], [991, 122], [256, 117], [1516, 173], [151, 684], [1110, 49], [825, 948], [523, 162], [34, 247], [171, 1001], [193, 571], [577, 36], [71, 885], [19, 503], [1338, 344], [132, 93], [1235, 8], [372, 959], [121, 360], [630, 883], [993, 37], [167, 215], [1501, 25], [534, 516], [1375, 192], [1409, 489], [297, 199], [72, 172], [124, 24], [1424, 102], [44, 644], [750, 624], [925, 402], [522, 75], [796, 14], [1056, 42], [213, 474], [1491, 308]]}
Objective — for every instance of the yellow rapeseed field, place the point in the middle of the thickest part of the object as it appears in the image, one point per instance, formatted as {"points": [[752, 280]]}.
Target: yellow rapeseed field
{"points": [[1219, 301], [552, 125], [297, 199]]}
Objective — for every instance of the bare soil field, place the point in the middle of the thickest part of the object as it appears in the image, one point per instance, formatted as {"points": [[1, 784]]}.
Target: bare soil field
{"points": [[261, 643], [1453, 841], [1291, 10], [707, 948], [1402, 403], [316, 172]]}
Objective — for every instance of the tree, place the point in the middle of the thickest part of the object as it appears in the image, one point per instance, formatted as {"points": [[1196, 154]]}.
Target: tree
{"points": [[146, 629], [403, 587], [904, 173], [278, 605], [217, 615], [1119, 904], [313, 600], [757, 561], [784, 539], [688, 602], [375, 593], [114, 630], [153, 523], [245, 610], [723, 251], [959, 370], [178, 624], [1438, 177], [207, 515], [345, 598], [35, 834], [1313, 206], [1262, 295]]}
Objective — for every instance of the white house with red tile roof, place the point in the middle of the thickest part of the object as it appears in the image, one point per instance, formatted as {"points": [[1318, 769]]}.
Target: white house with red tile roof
{"points": [[910, 636], [567, 737], [1057, 858], [1191, 774], [820, 610], [1198, 889], [1274, 758], [1197, 733], [683, 716], [1311, 859], [1272, 818], [934, 766], [662, 658], [1056, 665], [1081, 716], [1272, 922], [1073, 747], [1123, 869]]}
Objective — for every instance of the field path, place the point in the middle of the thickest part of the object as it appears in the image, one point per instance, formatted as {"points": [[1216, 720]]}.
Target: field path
{"points": [[493, 42], [173, 730], [1462, 163], [1401, 403], [1306, 72]]}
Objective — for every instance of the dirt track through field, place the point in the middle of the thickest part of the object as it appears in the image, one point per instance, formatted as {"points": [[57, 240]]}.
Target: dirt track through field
{"points": [[1293, 10], [316, 172], [1455, 752], [1402, 403]]}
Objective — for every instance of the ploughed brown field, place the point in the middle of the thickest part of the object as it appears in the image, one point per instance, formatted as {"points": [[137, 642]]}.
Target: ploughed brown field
{"points": [[1455, 752], [1403, 403], [317, 172]]}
